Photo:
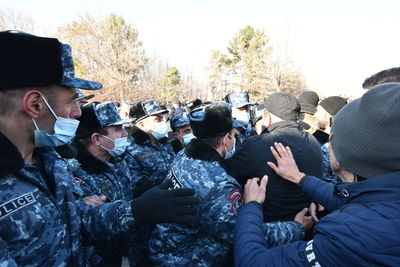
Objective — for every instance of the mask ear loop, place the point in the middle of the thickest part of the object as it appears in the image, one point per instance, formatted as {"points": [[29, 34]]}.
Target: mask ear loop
{"points": [[34, 123], [51, 110]]}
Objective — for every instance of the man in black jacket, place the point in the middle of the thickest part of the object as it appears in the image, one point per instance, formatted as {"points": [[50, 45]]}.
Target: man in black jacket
{"points": [[280, 120]]}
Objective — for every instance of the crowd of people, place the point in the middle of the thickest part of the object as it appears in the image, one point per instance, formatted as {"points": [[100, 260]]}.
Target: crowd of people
{"points": [[291, 181]]}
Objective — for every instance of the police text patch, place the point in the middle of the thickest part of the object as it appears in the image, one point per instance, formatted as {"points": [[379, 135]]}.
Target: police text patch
{"points": [[175, 182], [16, 204]]}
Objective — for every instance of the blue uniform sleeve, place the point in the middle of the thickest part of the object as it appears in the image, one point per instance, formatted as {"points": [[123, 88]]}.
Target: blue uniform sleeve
{"points": [[321, 192], [251, 247], [5, 258], [106, 221]]}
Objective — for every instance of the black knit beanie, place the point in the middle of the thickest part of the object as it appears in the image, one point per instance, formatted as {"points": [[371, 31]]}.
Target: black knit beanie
{"points": [[365, 133], [309, 102]]}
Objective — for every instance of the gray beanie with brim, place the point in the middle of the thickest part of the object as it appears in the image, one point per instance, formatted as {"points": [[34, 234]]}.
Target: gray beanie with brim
{"points": [[366, 131]]}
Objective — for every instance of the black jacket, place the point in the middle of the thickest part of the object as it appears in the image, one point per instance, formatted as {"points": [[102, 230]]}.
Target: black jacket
{"points": [[284, 199]]}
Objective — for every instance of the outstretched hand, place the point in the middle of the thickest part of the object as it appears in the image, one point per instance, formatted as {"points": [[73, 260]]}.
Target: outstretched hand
{"points": [[255, 192], [286, 165]]}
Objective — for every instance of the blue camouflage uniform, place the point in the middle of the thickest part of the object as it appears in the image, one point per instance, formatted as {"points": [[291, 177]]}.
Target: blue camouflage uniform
{"points": [[153, 159], [41, 216], [210, 242], [327, 173]]}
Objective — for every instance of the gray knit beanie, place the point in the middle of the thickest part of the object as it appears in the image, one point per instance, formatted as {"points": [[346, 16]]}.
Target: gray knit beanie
{"points": [[366, 131]]}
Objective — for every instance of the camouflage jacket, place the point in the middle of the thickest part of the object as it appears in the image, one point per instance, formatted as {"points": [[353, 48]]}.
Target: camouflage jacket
{"points": [[153, 159], [209, 243], [42, 223], [97, 177], [327, 173]]}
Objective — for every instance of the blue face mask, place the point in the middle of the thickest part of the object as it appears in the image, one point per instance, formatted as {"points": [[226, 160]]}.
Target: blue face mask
{"points": [[230, 154], [120, 145], [187, 138], [161, 130], [64, 131]]}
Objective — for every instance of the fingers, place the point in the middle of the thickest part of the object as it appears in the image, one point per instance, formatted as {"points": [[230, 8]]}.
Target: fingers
{"points": [[186, 201], [273, 166], [289, 152], [320, 207], [264, 181], [166, 184], [313, 212], [182, 192], [275, 153]]}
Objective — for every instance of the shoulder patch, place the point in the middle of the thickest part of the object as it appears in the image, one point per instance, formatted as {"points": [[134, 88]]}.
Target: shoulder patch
{"points": [[236, 201], [176, 184], [16, 204]]}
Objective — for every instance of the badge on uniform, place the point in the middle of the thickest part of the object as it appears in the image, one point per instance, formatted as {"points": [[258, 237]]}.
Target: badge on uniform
{"points": [[16, 204], [236, 200]]}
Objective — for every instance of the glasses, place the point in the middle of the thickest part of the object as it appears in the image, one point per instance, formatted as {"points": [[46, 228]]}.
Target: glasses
{"points": [[199, 114]]}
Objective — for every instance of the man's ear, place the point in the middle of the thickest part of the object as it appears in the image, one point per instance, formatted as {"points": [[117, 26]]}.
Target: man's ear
{"points": [[95, 138], [33, 103]]}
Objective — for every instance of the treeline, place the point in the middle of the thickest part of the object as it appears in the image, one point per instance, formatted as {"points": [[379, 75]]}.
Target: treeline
{"points": [[109, 50]]}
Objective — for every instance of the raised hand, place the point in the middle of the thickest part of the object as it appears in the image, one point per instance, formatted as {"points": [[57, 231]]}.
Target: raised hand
{"points": [[286, 165]]}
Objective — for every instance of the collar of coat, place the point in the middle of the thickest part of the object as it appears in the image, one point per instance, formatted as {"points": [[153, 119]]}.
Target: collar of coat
{"points": [[198, 149], [281, 125], [88, 162], [11, 160], [142, 138]]}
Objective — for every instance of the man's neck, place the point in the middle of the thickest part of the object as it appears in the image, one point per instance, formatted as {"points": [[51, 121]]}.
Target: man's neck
{"points": [[20, 136]]}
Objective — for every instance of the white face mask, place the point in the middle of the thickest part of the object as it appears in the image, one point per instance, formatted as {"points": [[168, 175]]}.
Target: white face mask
{"points": [[187, 138], [229, 154], [120, 145], [64, 131], [161, 130]]}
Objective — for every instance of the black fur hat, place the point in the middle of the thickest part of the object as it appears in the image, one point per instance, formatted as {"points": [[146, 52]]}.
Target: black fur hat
{"points": [[211, 121]]}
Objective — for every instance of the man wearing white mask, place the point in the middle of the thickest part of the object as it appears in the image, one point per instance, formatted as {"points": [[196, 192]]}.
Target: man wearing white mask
{"points": [[149, 146], [180, 125]]}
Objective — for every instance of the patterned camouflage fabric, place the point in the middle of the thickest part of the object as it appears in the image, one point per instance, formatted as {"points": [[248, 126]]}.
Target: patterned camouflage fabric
{"points": [[239, 99], [108, 115], [154, 160], [39, 228], [327, 173], [179, 120], [208, 244], [69, 78]]}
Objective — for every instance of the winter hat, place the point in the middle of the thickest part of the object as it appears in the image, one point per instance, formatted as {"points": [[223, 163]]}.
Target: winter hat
{"points": [[211, 121], [179, 121], [284, 106], [29, 60], [365, 132], [238, 99], [308, 102], [333, 104], [144, 109]]}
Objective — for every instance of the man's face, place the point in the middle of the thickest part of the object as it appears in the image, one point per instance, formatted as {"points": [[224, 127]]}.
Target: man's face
{"points": [[64, 104], [182, 131], [241, 113], [150, 123], [113, 132]]}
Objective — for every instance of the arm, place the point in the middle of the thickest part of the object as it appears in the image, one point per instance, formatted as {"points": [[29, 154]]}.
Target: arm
{"points": [[251, 248], [320, 191]]}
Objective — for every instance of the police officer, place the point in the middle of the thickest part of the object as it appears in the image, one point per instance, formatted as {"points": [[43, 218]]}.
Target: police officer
{"points": [[41, 221], [180, 125], [150, 147], [201, 167], [240, 102]]}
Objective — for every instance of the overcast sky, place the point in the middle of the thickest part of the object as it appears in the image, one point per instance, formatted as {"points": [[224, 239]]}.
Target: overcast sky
{"points": [[335, 44]]}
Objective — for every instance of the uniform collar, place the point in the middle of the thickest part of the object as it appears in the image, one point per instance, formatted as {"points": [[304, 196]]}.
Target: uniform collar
{"points": [[88, 162], [281, 125], [11, 160]]}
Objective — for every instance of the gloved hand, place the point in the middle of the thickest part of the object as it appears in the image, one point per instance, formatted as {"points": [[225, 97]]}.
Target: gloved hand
{"points": [[161, 205]]}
